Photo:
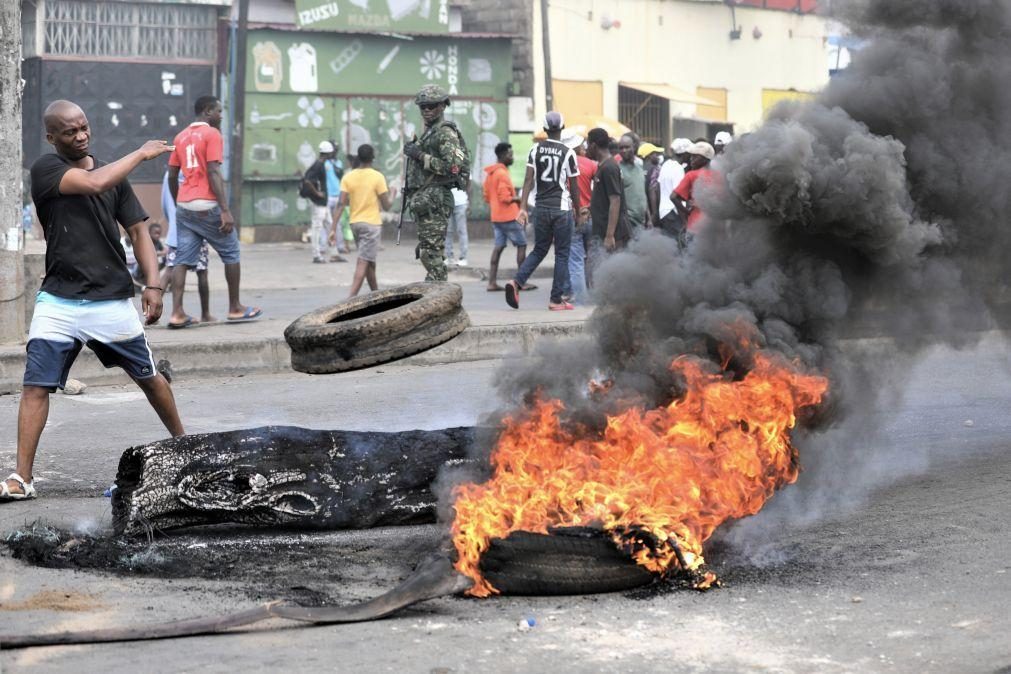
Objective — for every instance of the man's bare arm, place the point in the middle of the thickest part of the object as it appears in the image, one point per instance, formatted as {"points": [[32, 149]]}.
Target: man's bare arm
{"points": [[613, 211], [386, 201], [577, 205], [147, 259], [682, 209], [173, 182], [79, 181], [342, 203], [653, 198], [528, 184], [218, 187], [574, 192]]}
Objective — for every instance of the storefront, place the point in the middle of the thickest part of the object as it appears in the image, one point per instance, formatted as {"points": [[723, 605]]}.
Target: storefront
{"points": [[305, 86]]}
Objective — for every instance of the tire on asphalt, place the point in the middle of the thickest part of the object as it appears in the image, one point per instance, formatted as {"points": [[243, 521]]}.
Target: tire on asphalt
{"points": [[560, 563], [376, 328]]}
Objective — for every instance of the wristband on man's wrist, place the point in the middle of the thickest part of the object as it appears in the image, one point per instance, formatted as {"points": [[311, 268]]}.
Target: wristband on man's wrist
{"points": [[155, 288]]}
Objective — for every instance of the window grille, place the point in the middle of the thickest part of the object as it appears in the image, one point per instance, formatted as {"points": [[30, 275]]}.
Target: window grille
{"points": [[130, 29], [647, 115]]}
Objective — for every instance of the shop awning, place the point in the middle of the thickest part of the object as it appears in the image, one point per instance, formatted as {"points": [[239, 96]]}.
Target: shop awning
{"points": [[582, 124], [669, 92]]}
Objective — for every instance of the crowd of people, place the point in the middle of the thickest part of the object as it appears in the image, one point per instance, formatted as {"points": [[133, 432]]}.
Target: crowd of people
{"points": [[585, 197], [588, 197]]}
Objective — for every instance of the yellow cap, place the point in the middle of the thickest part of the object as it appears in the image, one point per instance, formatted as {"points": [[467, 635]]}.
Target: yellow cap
{"points": [[646, 149]]}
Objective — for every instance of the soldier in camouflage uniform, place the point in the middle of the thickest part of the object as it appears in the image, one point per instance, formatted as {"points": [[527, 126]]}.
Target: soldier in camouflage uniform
{"points": [[436, 162]]}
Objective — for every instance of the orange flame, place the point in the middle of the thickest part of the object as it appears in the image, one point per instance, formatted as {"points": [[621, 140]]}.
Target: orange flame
{"points": [[668, 476]]}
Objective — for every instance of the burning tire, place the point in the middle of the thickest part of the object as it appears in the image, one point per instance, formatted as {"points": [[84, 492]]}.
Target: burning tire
{"points": [[380, 327], [567, 561]]}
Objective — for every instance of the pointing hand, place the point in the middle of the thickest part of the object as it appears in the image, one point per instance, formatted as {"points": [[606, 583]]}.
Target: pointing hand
{"points": [[155, 148]]}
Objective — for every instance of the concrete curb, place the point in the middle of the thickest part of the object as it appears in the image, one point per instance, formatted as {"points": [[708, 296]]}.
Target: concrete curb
{"points": [[192, 360]]}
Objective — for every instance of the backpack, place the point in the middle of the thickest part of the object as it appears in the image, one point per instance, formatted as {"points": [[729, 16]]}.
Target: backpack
{"points": [[463, 167], [303, 190]]}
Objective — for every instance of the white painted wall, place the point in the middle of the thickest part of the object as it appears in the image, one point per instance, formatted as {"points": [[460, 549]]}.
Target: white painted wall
{"points": [[690, 48]]}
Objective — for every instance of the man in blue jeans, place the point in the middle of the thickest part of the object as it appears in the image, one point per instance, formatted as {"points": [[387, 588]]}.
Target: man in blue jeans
{"points": [[202, 210], [552, 166]]}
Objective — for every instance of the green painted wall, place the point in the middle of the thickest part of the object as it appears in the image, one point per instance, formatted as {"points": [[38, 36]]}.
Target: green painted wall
{"points": [[283, 128], [340, 63], [521, 142]]}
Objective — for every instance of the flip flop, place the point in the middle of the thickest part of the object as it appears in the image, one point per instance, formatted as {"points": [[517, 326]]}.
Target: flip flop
{"points": [[528, 287], [188, 323], [251, 314], [512, 292], [496, 289]]}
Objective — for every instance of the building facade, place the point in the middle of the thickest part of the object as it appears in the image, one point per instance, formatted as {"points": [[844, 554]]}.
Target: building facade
{"points": [[665, 68]]}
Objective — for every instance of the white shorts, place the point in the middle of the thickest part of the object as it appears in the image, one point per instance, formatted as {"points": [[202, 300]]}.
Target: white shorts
{"points": [[61, 327]]}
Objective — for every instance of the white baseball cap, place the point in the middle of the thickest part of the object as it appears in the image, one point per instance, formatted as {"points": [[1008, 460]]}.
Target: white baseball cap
{"points": [[703, 150], [680, 145], [724, 138], [326, 146], [572, 140]]}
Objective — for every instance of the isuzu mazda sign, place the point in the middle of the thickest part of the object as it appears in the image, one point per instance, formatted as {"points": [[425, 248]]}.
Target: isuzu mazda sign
{"points": [[420, 16]]}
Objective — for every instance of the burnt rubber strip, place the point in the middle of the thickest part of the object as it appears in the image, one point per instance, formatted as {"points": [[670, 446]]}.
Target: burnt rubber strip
{"points": [[434, 578]]}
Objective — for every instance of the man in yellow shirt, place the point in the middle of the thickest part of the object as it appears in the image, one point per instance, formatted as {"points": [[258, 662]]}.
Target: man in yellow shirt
{"points": [[364, 189]]}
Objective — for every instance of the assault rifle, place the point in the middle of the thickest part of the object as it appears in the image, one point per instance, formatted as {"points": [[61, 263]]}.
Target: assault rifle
{"points": [[403, 198]]}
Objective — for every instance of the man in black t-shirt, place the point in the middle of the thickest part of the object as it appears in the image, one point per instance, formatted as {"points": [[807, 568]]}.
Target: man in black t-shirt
{"points": [[607, 204], [551, 169], [86, 296]]}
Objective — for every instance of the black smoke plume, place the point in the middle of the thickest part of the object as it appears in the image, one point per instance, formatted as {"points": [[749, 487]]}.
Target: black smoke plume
{"points": [[848, 233]]}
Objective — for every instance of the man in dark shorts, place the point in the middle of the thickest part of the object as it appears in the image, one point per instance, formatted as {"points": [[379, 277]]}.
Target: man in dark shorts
{"points": [[202, 210], [86, 294]]}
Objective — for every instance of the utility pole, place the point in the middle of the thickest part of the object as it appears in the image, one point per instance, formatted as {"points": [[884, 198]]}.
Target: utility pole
{"points": [[12, 265], [549, 96], [238, 113]]}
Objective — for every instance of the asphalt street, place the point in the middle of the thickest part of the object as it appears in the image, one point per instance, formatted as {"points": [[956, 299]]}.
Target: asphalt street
{"points": [[914, 579]]}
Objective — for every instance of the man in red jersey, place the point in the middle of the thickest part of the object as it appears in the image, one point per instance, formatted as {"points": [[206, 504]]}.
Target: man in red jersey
{"points": [[202, 210]]}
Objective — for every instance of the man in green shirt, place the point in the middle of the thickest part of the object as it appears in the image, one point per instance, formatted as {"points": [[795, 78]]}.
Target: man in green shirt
{"points": [[634, 180]]}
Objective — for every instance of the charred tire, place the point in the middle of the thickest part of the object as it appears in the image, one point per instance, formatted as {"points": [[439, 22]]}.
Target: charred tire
{"points": [[525, 563], [380, 327]]}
